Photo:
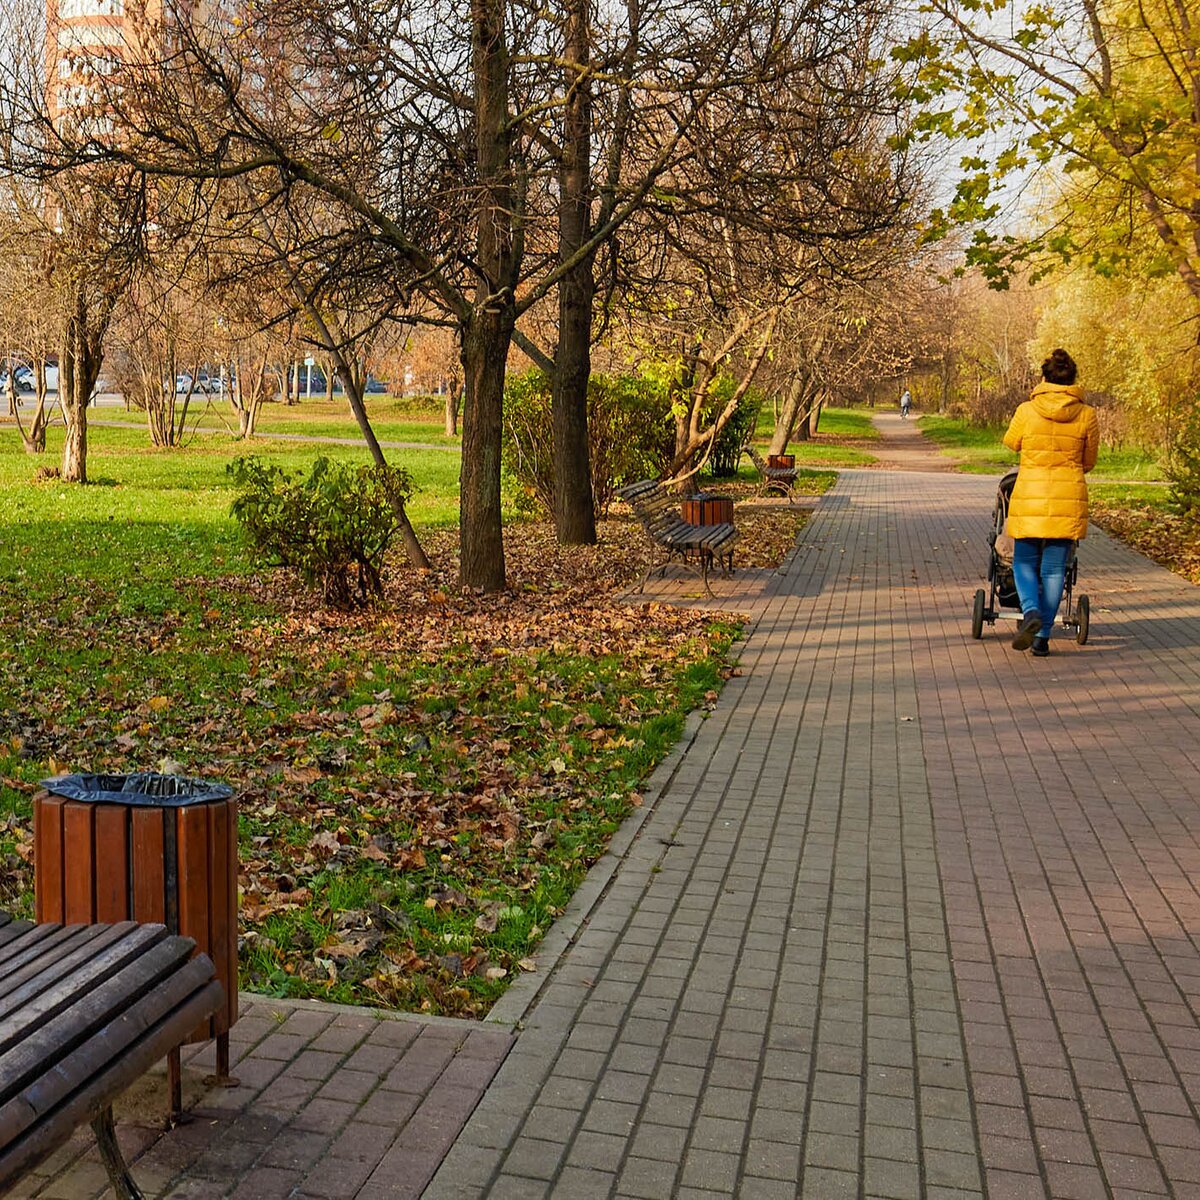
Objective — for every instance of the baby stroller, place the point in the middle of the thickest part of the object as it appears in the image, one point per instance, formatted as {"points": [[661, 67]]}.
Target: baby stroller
{"points": [[1000, 600]]}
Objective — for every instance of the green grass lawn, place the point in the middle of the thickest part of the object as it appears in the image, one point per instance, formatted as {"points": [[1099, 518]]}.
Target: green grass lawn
{"points": [[848, 423], [394, 420], [829, 448], [421, 788], [980, 450]]}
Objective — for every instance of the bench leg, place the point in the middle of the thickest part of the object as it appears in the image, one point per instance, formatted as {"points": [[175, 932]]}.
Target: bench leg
{"points": [[222, 1078], [174, 1088], [114, 1162]]}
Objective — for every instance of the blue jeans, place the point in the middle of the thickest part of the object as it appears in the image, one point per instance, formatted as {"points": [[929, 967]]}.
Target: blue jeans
{"points": [[1040, 573]]}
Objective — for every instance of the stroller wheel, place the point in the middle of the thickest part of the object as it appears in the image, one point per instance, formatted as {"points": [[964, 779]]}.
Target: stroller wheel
{"points": [[977, 614], [1082, 614]]}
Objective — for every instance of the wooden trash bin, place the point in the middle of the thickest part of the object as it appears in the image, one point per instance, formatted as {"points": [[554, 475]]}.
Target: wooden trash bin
{"points": [[705, 509], [782, 461], [158, 849]]}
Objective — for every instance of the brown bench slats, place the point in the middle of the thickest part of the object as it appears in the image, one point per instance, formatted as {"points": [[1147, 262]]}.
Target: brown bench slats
{"points": [[88, 1011], [694, 545]]}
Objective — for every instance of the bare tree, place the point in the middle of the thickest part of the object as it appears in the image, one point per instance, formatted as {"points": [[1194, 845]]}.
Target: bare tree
{"points": [[425, 138], [29, 317], [437, 367]]}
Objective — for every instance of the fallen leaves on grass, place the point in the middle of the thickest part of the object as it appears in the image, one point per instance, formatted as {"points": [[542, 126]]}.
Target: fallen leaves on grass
{"points": [[1152, 530], [420, 789]]}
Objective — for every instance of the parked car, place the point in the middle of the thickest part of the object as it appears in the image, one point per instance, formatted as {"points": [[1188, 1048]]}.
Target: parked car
{"points": [[26, 380]]}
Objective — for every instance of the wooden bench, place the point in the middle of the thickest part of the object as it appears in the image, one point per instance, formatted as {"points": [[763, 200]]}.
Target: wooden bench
{"points": [[84, 1011], [696, 546], [772, 479]]}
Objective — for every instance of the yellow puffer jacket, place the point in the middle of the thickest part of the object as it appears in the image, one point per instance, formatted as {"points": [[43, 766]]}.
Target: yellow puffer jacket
{"points": [[1058, 438]]}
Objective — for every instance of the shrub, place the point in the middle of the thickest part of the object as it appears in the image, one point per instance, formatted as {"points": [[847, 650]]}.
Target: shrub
{"points": [[333, 526], [629, 433], [738, 431]]}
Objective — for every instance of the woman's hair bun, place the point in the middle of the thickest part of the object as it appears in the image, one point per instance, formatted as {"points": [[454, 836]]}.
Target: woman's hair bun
{"points": [[1059, 368]]}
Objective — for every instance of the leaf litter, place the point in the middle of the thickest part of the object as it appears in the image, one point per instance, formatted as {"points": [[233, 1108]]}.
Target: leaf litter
{"points": [[420, 789]]}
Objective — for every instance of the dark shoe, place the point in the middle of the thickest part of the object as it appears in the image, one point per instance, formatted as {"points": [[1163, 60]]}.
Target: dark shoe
{"points": [[1030, 627], [1041, 647]]}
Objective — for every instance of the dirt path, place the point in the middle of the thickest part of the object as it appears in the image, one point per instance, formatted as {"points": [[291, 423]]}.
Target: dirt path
{"points": [[904, 447]]}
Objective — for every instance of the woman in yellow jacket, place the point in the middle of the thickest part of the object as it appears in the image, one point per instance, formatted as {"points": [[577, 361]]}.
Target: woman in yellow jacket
{"points": [[1058, 438]]}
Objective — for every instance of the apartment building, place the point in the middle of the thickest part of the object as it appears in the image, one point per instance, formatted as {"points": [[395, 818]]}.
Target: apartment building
{"points": [[86, 40]]}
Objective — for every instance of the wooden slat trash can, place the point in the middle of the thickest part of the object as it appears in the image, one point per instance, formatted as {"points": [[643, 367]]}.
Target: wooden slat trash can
{"points": [[152, 848], [707, 509], [781, 461]]}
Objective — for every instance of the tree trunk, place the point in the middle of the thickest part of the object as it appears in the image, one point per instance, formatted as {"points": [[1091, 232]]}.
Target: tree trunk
{"points": [[574, 505], [794, 419], [352, 382], [329, 377], [485, 353], [71, 370], [785, 420], [33, 438], [814, 420], [487, 329], [453, 395], [80, 357]]}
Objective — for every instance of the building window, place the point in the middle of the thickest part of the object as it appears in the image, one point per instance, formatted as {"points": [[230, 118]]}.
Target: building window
{"points": [[90, 8]]}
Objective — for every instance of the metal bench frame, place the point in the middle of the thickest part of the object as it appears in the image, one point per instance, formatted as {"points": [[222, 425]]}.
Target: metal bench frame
{"points": [[84, 1011], [696, 547]]}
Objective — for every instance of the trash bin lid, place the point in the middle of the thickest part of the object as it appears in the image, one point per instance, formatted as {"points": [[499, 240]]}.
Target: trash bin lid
{"points": [[144, 789]]}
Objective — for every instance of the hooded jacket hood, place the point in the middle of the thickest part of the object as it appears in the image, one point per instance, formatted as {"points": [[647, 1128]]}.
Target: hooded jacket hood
{"points": [[1057, 401]]}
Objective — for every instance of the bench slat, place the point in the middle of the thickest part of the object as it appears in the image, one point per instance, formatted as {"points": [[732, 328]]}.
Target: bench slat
{"points": [[51, 958], [115, 1039], [99, 979], [87, 1103], [11, 932]]}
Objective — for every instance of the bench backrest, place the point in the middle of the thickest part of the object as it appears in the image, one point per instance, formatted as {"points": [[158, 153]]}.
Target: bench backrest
{"points": [[653, 505]]}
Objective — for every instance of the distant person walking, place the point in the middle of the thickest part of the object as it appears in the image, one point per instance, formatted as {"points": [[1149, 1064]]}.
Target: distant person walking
{"points": [[905, 403], [1058, 438]]}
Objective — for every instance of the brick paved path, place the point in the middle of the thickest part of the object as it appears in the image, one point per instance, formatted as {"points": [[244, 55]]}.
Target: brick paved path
{"points": [[332, 1103], [915, 916]]}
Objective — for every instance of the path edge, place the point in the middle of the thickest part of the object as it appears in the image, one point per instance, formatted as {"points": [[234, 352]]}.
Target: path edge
{"points": [[515, 1005]]}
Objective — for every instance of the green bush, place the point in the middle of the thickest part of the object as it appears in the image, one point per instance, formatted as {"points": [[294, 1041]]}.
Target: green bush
{"points": [[738, 431], [333, 526], [630, 434]]}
